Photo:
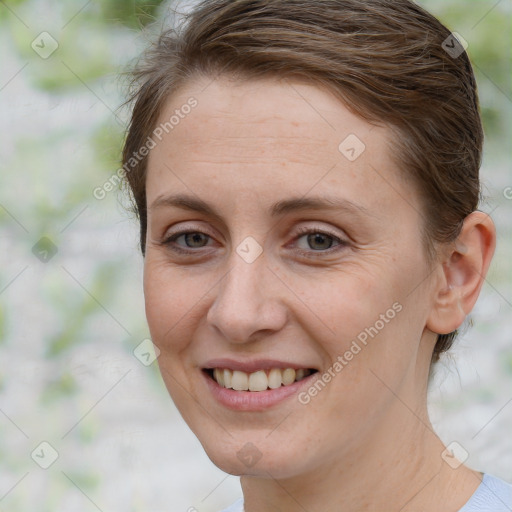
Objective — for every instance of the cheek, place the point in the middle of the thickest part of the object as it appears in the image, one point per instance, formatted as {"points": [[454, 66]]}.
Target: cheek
{"points": [[344, 302], [365, 314], [171, 302]]}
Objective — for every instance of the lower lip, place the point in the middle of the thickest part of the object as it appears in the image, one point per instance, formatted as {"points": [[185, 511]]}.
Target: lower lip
{"points": [[254, 400]]}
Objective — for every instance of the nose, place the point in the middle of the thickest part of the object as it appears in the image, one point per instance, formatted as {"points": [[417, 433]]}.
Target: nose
{"points": [[248, 304]]}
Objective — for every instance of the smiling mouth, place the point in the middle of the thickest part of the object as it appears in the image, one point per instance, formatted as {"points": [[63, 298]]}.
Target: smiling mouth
{"points": [[260, 380]]}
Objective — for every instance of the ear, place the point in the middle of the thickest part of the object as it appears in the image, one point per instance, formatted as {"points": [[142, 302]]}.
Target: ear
{"points": [[464, 268]]}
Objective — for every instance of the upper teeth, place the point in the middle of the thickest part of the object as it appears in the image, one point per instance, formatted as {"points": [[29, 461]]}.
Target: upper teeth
{"points": [[258, 381]]}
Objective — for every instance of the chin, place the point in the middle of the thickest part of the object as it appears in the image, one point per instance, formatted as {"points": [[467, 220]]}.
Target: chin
{"points": [[259, 457]]}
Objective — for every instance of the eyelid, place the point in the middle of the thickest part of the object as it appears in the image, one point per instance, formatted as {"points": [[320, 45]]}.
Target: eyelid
{"points": [[305, 230], [299, 232], [187, 229], [311, 253], [169, 241]]}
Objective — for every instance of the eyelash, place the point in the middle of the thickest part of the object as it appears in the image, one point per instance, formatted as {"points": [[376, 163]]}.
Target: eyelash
{"points": [[302, 231], [169, 242]]}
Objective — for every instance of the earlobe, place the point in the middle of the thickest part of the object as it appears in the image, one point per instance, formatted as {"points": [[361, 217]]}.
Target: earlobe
{"points": [[463, 272]]}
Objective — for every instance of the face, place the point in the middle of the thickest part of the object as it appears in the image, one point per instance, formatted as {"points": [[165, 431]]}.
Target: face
{"points": [[285, 257]]}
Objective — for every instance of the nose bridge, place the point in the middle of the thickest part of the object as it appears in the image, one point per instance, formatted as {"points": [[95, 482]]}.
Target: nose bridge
{"points": [[245, 302]]}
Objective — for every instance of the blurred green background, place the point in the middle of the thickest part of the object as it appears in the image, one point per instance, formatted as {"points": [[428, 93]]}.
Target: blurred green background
{"points": [[71, 305]]}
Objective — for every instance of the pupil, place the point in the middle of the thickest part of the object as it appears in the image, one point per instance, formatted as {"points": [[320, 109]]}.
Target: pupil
{"points": [[196, 237], [319, 238]]}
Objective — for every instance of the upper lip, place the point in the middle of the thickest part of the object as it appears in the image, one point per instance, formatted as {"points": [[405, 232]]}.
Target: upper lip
{"points": [[253, 365]]}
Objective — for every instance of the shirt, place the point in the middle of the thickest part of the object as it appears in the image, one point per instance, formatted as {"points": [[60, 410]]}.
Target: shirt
{"points": [[492, 495]]}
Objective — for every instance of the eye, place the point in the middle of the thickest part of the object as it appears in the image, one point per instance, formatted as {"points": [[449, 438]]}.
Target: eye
{"points": [[319, 241], [192, 239]]}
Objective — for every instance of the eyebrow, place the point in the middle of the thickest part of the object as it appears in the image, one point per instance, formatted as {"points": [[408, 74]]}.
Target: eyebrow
{"points": [[294, 204]]}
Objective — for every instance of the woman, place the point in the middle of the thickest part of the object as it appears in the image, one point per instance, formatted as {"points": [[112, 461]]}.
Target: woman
{"points": [[306, 179]]}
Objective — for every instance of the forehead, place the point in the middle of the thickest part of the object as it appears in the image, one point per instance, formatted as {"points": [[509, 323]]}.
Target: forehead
{"points": [[264, 113], [266, 137]]}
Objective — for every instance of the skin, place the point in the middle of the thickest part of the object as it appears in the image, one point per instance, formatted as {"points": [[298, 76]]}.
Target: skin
{"points": [[244, 147]]}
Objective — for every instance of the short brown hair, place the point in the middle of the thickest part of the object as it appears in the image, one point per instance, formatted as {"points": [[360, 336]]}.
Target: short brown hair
{"points": [[386, 60]]}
